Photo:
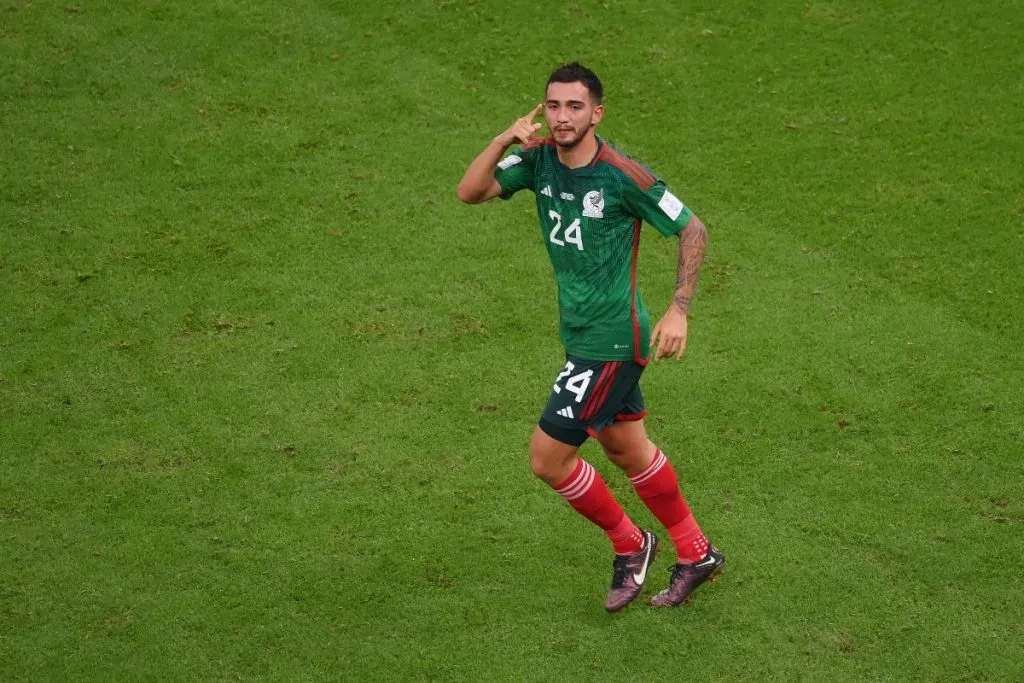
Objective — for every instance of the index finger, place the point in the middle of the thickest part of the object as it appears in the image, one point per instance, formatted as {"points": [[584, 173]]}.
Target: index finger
{"points": [[533, 114], [660, 350]]}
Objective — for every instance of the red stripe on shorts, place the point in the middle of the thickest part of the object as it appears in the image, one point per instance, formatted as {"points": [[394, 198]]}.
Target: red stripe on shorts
{"points": [[597, 387], [600, 391]]}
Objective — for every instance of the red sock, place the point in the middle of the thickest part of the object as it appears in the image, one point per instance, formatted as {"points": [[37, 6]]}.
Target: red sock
{"points": [[658, 488], [587, 493]]}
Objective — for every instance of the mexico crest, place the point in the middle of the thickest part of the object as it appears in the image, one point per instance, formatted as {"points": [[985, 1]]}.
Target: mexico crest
{"points": [[593, 204]]}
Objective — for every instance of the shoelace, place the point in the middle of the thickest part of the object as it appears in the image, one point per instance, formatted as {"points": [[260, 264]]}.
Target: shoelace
{"points": [[619, 571], [678, 569]]}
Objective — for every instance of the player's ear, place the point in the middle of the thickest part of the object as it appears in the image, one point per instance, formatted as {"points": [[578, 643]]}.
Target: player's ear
{"points": [[597, 115]]}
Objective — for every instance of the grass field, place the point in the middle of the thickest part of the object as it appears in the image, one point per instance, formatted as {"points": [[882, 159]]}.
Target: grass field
{"points": [[266, 386]]}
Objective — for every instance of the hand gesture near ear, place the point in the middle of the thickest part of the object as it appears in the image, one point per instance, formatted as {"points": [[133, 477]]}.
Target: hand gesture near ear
{"points": [[522, 130], [478, 183]]}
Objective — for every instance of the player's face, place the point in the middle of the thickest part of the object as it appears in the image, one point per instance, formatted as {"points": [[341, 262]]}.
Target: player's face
{"points": [[570, 113]]}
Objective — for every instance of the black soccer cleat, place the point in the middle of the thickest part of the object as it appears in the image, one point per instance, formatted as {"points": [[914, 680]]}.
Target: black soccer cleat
{"points": [[686, 578], [629, 573]]}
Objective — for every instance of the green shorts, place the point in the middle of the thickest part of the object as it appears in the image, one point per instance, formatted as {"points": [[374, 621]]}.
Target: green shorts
{"points": [[589, 395]]}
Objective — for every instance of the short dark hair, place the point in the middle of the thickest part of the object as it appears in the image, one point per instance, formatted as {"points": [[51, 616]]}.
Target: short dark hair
{"points": [[574, 72]]}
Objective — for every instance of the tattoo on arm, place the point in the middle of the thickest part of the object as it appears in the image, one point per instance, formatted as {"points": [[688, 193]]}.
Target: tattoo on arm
{"points": [[693, 242]]}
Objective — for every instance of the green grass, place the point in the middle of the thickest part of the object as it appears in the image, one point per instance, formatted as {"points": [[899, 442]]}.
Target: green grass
{"points": [[266, 387]]}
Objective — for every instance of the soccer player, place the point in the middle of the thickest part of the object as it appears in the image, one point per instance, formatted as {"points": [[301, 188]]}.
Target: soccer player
{"points": [[591, 201]]}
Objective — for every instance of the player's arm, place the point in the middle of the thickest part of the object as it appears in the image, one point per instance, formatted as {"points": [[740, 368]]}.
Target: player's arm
{"points": [[693, 242], [478, 184], [670, 332]]}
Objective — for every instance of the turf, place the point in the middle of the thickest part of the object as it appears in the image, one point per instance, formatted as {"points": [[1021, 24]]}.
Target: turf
{"points": [[266, 386]]}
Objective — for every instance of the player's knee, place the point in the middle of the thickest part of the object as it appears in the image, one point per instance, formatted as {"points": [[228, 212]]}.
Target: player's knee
{"points": [[544, 467], [630, 457], [550, 459], [549, 465], [617, 456], [537, 466]]}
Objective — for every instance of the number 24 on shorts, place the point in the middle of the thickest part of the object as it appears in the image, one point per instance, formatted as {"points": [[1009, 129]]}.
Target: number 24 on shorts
{"points": [[577, 384]]}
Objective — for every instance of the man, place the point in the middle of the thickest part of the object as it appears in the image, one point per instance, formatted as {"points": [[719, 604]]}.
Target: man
{"points": [[591, 200]]}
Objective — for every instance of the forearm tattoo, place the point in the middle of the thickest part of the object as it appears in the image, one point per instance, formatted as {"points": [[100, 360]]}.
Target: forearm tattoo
{"points": [[693, 242]]}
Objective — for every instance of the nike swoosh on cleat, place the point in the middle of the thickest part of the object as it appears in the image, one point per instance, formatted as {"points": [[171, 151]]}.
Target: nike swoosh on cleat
{"points": [[639, 578], [707, 562]]}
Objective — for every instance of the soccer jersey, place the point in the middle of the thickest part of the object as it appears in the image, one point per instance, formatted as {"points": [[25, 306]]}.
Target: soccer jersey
{"points": [[590, 220]]}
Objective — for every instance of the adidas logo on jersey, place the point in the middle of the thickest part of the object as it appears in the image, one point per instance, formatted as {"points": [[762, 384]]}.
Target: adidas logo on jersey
{"points": [[546, 191], [567, 412]]}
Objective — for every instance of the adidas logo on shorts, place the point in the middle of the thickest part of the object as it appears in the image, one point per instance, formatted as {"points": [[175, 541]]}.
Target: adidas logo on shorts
{"points": [[567, 412]]}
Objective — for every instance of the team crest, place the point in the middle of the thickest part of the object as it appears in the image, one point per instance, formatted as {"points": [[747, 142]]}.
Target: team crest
{"points": [[593, 204]]}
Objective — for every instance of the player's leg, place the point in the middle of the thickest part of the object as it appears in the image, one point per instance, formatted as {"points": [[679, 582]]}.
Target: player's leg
{"points": [[583, 487], [626, 444], [554, 459], [551, 460], [576, 480]]}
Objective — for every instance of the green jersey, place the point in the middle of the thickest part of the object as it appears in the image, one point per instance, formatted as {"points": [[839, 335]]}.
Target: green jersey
{"points": [[590, 221]]}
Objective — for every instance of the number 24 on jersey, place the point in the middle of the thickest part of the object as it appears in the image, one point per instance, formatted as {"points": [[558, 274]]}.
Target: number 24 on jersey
{"points": [[572, 234]]}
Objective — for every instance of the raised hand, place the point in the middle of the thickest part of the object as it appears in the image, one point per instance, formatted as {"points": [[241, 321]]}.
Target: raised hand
{"points": [[523, 129]]}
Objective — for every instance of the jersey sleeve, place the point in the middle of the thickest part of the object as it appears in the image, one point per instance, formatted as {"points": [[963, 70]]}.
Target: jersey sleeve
{"points": [[658, 206], [515, 171]]}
